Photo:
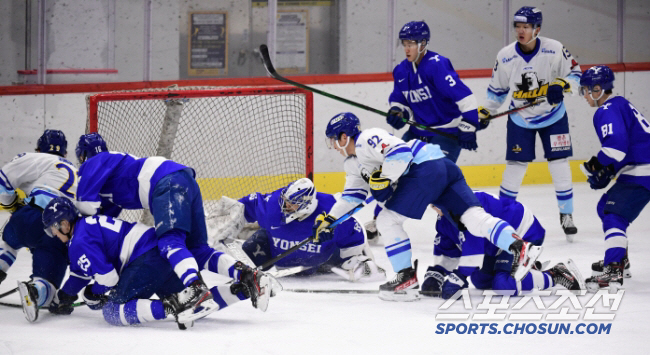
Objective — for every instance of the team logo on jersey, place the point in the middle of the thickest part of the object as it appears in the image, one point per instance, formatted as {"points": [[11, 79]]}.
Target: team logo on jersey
{"points": [[516, 148], [530, 87]]}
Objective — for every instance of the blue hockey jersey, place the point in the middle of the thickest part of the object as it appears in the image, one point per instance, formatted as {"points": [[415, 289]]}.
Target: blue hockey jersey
{"points": [[101, 247], [625, 138], [434, 93], [122, 179], [454, 249], [266, 210]]}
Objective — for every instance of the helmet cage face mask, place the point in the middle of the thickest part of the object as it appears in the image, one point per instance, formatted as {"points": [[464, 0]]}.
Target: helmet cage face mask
{"points": [[298, 200]]}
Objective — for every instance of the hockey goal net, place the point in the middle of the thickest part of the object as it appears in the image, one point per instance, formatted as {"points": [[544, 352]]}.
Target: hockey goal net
{"points": [[238, 140]]}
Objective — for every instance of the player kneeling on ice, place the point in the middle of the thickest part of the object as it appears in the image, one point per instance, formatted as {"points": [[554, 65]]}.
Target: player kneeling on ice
{"points": [[42, 175], [406, 177], [123, 260], [625, 138], [286, 217], [459, 255]]}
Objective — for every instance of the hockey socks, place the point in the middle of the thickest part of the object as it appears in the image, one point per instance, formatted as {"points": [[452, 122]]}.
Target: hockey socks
{"points": [[7, 256], [172, 247], [45, 291], [481, 223], [400, 254], [512, 178], [134, 312], [615, 228], [561, 174]]}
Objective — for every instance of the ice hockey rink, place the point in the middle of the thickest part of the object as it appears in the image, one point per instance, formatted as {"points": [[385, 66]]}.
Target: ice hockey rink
{"points": [[310, 323]]}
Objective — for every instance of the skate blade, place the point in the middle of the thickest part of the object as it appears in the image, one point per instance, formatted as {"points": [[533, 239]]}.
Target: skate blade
{"points": [[30, 308], [570, 237], [205, 308], [573, 268], [613, 287], [531, 256], [265, 292], [400, 296], [626, 273]]}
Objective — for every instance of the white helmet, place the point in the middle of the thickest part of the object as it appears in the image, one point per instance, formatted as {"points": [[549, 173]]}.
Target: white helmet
{"points": [[298, 200]]}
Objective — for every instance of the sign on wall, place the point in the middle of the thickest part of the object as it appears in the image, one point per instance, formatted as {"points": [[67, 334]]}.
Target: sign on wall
{"points": [[208, 44], [292, 38]]}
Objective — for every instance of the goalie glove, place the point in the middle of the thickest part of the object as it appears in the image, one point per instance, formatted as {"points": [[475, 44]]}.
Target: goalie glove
{"points": [[380, 187], [321, 231], [454, 282], [556, 90], [360, 268], [598, 176], [94, 301]]}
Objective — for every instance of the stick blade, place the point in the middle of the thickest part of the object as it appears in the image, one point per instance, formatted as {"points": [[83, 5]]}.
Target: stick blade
{"points": [[264, 51]]}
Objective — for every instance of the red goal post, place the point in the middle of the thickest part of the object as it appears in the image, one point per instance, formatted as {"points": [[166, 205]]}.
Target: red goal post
{"points": [[238, 140]]}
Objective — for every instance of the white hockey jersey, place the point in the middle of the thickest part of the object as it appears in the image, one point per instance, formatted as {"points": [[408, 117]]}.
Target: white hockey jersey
{"points": [[528, 77], [377, 149], [41, 176]]}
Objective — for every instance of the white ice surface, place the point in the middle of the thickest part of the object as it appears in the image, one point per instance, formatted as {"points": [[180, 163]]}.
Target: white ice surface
{"points": [[298, 323]]}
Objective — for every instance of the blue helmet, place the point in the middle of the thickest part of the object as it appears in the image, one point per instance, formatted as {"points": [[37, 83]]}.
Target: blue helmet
{"points": [[417, 31], [298, 200], [52, 141], [90, 145], [600, 75], [344, 122], [529, 14], [57, 210]]}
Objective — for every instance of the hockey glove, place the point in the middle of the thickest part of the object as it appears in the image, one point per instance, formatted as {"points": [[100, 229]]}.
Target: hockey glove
{"points": [[397, 117], [598, 176], [380, 187], [483, 118], [14, 205], [62, 303], [556, 90], [454, 282], [433, 280], [93, 300], [467, 135], [321, 231]]}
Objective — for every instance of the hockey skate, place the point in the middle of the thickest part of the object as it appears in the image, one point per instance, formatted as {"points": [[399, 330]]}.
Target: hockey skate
{"points": [[372, 233], [598, 268], [29, 300], [195, 302], [568, 275], [172, 308], [360, 268], [570, 230], [403, 287], [260, 286], [524, 255], [612, 278]]}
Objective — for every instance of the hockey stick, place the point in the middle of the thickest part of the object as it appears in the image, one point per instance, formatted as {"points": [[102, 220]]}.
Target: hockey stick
{"points": [[299, 245], [516, 109], [13, 305], [9, 292], [357, 292], [264, 50]]}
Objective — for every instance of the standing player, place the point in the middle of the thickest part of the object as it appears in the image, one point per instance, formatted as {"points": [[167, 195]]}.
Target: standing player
{"points": [[428, 90], [286, 217], [169, 190], [406, 177], [459, 255], [42, 176], [535, 68], [625, 138], [124, 262]]}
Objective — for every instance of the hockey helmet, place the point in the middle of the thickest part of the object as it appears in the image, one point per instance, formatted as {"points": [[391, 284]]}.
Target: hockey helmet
{"points": [[417, 31], [528, 14], [298, 200], [52, 141], [57, 210], [600, 75], [89, 145]]}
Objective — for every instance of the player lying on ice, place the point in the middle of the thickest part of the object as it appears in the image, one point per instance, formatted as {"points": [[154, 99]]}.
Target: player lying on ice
{"points": [[624, 134], [166, 188], [406, 177], [286, 217], [123, 260], [460, 255]]}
